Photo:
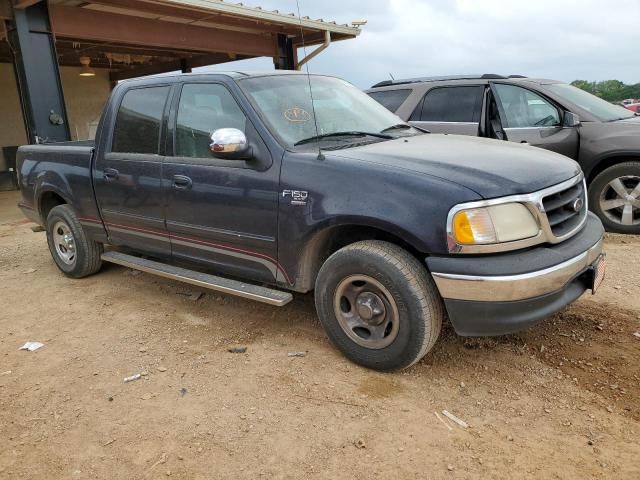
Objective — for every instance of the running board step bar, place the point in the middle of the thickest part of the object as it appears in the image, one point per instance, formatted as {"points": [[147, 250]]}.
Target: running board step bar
{"points": [[224, 285]]}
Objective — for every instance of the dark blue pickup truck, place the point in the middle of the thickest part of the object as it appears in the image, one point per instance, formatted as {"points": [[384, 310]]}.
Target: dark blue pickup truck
{"points": [[265, 184]]}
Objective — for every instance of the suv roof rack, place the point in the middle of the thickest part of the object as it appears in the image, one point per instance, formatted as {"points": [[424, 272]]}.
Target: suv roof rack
{"points": [[485, 76]]}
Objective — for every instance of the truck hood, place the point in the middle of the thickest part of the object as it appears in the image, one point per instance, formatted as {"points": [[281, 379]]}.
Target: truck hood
{"points": [[491, 168]]}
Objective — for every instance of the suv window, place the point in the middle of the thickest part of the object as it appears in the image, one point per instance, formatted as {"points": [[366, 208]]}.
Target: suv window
{"points": [[138, 121], [451, 104], [391, 99], [203, 109], [524, 109]]}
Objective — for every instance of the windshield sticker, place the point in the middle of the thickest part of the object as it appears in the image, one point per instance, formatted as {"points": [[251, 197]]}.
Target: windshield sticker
{"points": [[297, 114]]}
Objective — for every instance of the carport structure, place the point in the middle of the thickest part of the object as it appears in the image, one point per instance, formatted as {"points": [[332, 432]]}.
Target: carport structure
{"points": [[57, 45]]}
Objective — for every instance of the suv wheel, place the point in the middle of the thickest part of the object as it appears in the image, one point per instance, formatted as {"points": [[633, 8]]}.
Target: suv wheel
{"points": [[614, 195], [378, 305], [75, 255]]}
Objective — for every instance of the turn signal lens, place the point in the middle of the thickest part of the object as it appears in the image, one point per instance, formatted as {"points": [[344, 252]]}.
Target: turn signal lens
{"points": [[462, 229]]}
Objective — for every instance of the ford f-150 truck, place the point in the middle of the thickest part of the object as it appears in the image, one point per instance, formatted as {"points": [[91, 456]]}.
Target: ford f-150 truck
{"points": [[266, 184]]}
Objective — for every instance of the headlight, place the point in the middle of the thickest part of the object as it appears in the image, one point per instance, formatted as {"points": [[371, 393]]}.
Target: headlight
{"points": [[495, 224]]}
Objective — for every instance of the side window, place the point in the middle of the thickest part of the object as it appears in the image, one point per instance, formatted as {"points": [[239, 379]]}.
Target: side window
{"points": [[138, 121], [453, 104], [524, 109], [391, 99], [203, 109]]}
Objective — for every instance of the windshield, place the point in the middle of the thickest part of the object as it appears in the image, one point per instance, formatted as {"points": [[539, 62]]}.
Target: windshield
{"points": [[603, 110], [284, 102]]}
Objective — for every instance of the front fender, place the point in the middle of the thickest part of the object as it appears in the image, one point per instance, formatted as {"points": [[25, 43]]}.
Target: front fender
{"points": [[407, 205]]}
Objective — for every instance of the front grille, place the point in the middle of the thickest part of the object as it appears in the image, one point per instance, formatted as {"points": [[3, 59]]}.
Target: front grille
{"points": [[566, 209]]}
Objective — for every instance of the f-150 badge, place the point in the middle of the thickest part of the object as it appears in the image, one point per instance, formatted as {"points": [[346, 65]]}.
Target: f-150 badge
{"points": [[298, 197]]}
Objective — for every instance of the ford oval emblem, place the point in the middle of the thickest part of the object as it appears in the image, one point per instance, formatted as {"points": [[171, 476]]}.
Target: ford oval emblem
{"points": [[577, 204]]}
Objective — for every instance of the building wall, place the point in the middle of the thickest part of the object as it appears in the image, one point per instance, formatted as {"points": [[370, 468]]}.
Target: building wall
{"points": [[12, 131], [84, 96]]}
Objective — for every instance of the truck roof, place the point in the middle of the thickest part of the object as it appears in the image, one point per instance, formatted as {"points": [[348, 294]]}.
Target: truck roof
{"points": [[235, 74]]}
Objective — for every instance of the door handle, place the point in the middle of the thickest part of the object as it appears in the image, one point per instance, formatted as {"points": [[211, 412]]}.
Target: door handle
{"points": [[110, 174], [182, 182]]}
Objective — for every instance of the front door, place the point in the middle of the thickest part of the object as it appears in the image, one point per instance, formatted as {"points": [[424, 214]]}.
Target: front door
{"points": [[221, 214], [530, 118], [128, 175]]}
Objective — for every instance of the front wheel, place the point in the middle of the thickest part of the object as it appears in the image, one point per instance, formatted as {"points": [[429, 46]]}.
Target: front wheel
{"points": [[614, 196], [75, 255], [378, 305]]}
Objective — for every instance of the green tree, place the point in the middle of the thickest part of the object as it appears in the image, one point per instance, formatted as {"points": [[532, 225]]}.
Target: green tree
{"points": [[610, 90], [585, 85]]}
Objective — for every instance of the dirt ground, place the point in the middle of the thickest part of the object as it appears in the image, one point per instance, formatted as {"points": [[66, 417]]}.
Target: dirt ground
{"points": [[559, 401]]}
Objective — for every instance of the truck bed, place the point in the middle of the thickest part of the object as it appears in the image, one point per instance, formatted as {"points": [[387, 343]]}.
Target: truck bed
{"points": [[63, 170]]}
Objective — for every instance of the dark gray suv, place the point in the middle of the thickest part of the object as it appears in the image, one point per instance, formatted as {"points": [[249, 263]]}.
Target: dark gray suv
{"points": [[603, 138]]}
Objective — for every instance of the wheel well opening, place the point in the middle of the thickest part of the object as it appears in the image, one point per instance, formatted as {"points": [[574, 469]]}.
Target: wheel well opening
{"points": [[609, 162], [329, 241], [49, 200]]}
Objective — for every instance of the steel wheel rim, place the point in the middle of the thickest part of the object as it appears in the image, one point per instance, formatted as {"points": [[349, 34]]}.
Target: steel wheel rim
{"points": [[64, 243], [366, 312], [620, 200]]}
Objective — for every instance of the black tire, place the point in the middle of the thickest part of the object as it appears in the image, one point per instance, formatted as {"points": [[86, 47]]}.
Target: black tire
{"points": [[81, 260], [600, 189], [420, 309]]}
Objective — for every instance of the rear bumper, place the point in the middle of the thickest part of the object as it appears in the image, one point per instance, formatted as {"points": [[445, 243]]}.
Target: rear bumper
{"points": [[499, 294]]}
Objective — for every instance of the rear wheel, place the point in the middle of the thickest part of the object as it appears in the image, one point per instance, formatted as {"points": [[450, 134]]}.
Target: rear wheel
{"points": [[378, 305], [614, 195], [75, 255]]}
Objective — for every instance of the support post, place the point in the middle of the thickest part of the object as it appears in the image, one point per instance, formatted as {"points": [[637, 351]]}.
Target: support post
{"points": [[184, 66], [285, 60], [37, 74]]}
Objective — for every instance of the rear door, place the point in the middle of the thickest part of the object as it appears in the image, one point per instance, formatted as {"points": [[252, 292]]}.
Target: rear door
{"points": [[450, 109], [221, 214], [528, 117], [128, 174]]}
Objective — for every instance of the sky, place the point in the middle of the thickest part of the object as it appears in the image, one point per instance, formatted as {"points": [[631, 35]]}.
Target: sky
{"points": [[558, 39]]}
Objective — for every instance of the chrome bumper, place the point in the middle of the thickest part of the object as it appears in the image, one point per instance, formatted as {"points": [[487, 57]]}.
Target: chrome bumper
{"points": [[515, 287]]}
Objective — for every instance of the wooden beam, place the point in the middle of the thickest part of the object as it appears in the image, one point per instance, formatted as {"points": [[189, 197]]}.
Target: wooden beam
{"points": [[5, 10], [66, 48], [22, 4], [171, 66], [84, 24]]}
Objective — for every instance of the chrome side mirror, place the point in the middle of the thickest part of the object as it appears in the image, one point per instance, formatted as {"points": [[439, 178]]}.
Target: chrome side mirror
{"points": [[570, 120], [229, 143]]}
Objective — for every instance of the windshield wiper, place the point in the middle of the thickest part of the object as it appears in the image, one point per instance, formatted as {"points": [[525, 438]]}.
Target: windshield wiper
{"points": [[315, 138], [398, 126], [622, 118]]}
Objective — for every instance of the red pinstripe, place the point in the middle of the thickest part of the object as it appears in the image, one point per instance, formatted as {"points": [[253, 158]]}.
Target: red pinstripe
{"points": [[193, 240]]}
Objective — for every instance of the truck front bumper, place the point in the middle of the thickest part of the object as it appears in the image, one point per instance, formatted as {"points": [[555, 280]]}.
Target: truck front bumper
{"points": [[505, 293]]}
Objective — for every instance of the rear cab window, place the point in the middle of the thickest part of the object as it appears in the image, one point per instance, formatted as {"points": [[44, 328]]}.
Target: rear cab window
{"points": [[460, 104], [391, 99], [139, 120]]}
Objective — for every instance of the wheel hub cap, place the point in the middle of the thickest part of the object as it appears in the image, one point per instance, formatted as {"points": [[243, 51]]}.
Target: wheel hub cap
{"points": [[620, 200], [64, 243], [370, 308], [366, 311]]}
